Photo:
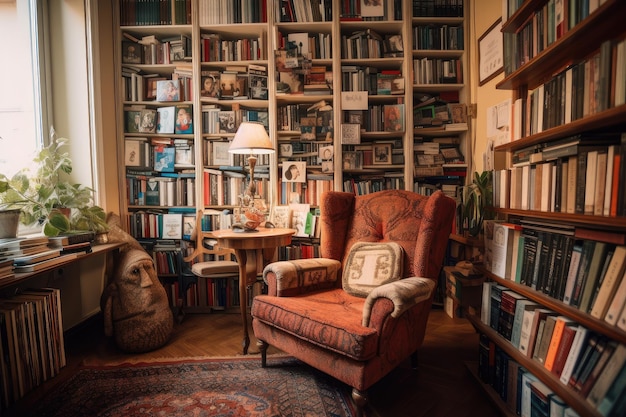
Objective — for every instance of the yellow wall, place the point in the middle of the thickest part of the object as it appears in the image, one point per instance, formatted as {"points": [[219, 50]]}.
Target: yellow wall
{"points": [[484, 13]]}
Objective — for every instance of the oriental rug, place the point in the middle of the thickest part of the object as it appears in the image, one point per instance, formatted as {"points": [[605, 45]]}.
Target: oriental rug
{"points": [[233, 387]]}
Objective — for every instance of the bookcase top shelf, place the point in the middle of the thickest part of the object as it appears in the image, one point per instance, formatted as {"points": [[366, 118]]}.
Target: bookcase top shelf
{"points": [[573, 46]]}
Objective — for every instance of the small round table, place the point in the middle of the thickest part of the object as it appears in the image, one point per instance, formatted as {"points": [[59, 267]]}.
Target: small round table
{"points": [[253, 250]]}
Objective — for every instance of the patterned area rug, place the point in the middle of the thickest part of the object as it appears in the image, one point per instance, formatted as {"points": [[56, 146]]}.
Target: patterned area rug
{"points": [[209, 387]]}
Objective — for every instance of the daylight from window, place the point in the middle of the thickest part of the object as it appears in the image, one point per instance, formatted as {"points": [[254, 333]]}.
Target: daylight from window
{"points": [[18, 112]]}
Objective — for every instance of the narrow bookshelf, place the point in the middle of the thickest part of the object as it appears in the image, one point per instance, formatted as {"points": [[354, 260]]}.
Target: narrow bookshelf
{"points": [[561, 244]]}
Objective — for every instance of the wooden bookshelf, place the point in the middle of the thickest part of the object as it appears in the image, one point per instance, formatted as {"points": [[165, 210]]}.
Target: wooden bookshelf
{"points": [[579, 43]]}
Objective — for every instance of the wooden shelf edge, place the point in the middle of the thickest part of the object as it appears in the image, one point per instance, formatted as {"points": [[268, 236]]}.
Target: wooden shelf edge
{"points": [[585, 319], [472, 367], [568, 395]]}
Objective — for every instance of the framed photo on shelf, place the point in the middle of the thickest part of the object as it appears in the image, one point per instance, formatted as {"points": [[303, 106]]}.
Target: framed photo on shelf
{"points": [[168, 90], [294, 171], [281, 217], [350, 133], [490, 53], [382, 153], [220, 153]]}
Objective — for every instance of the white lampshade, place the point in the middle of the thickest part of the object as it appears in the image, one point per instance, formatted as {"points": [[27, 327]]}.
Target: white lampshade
{"points": [[251, 138]]}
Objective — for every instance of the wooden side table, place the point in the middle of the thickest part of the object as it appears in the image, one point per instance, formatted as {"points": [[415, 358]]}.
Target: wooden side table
{"points": [[254, 250]]}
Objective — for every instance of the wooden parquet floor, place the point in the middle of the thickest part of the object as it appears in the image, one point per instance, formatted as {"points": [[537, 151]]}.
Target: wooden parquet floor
{"points": [[440, 387]]}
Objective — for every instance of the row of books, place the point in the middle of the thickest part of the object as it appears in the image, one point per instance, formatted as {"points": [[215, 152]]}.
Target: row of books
{"points": [[585, 361], [162, 120], [545, 26], [438, 37], [216, 294], [371, 11], [152, 50], [580, 267], [313, 45], [32, 349], [213, 48], [582, 89], [301, 250], [582, 174], [139, 85], [370, 183], [370, 44], [377, 118], [222, 120], [293, 117], [225, 186], [37, 252], [437, 71], [159, 154], [155, 12], [215, 153], [171, 224], [164, 190], [304, 10], [309, 192], [448, 185], [523, 393], [372, 80], [437, 8], [216, 12]]}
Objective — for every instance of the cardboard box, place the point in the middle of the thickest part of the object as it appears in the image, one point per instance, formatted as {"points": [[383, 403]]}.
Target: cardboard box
{"points": [[468, 291]]}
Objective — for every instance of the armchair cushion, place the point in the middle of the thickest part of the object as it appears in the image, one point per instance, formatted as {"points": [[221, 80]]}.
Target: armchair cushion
{"points": [[371, 264], [330, 319]]}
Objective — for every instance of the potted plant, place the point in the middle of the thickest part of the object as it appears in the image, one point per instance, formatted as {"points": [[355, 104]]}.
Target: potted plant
{"points": [[476, 197], [49, 198]]}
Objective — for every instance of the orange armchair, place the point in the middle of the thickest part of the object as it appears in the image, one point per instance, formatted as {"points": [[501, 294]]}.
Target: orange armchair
{"points": [[354, 333]]}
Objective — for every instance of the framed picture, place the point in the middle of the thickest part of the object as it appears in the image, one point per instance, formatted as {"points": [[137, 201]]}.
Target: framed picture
{"points": [[490, 53], [294, 171], [220, 153], [350, 133], [382, 153]]}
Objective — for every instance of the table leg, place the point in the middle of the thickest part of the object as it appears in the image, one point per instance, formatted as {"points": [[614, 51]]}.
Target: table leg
{"points": [[247, 274]]}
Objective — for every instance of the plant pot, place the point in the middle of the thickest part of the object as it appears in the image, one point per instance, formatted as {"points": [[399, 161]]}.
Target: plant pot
{"points": [[9, 220]]}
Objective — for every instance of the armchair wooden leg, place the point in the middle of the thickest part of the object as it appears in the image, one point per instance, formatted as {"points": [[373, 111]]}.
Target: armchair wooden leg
{"points": [[360, 400], [263, 349]]}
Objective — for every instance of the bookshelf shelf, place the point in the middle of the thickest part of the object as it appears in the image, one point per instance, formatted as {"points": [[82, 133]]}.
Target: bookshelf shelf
{"points": [[583, 318], [574, 45], [579, 44], [567, 394]]}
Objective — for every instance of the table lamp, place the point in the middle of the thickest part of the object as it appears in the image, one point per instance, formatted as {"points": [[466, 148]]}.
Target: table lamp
{"points": [[251, 138]]}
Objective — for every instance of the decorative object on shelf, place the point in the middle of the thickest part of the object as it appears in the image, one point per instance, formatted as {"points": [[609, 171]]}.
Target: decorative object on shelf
{"points": [[48, 197], [251, 138], [476, 197]]}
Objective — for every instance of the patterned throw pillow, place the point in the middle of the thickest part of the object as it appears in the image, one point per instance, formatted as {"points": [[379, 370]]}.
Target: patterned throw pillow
{"points": [[370, 265]]}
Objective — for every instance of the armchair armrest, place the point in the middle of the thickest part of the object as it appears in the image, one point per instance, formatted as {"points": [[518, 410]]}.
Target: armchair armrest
{"points": [[404, 294], [288, 278]]}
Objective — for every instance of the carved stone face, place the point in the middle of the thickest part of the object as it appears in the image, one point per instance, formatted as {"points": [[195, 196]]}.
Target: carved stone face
{"points": [[138, 284], [137, 305]]}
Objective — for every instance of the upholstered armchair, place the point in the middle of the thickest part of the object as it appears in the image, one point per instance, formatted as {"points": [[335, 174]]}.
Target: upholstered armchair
{"points": [[361, 309]]}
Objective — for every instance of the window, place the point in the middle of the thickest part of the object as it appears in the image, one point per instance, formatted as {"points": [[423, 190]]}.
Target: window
{"points": [[22, 110]]}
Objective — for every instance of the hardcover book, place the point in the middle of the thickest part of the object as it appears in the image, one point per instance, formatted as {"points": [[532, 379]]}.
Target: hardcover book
{"points": [[164, 158], [168, 90], [166, 117], [184, 119]]}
